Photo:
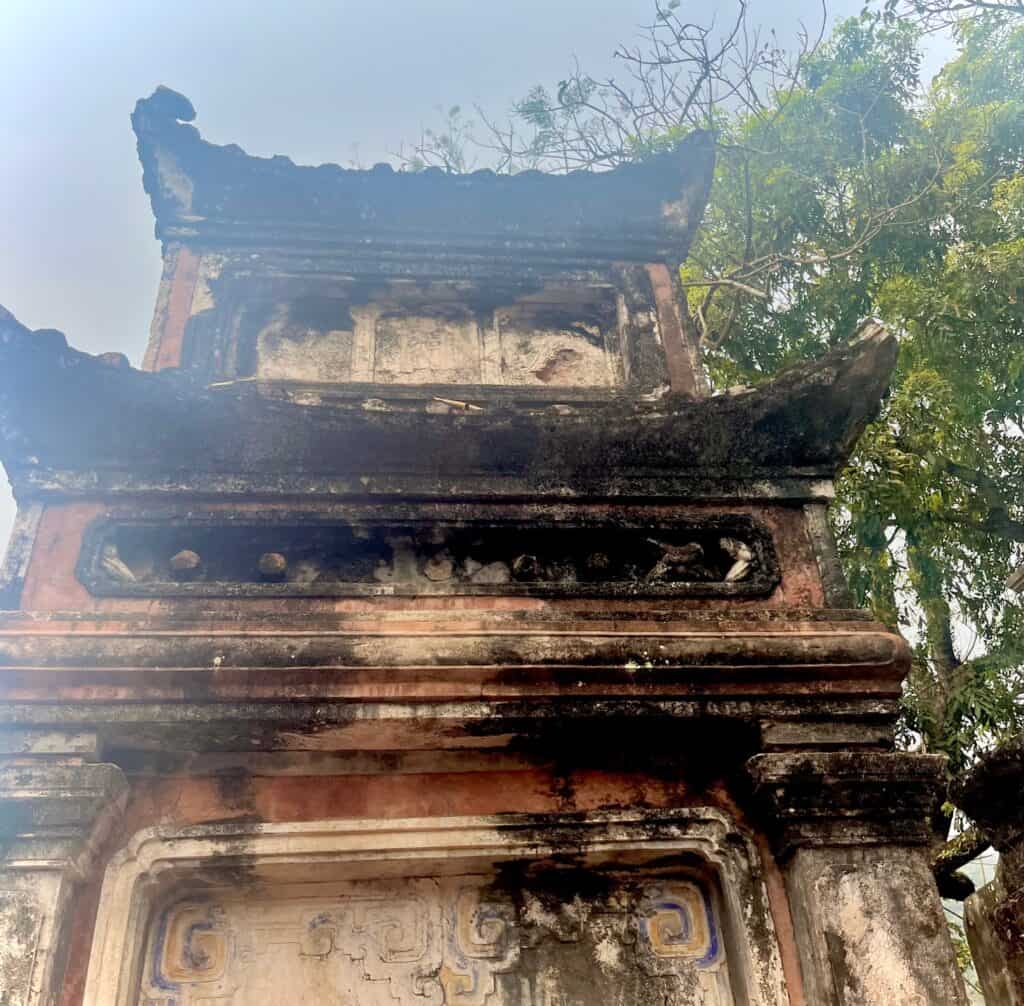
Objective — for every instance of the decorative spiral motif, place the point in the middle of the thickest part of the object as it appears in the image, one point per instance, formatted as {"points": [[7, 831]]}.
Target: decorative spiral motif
{"points": [[677, 922], [195, 946]]}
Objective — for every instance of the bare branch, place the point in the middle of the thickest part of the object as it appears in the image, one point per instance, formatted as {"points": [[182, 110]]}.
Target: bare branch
{"points": [[941, 15], [680, 75]]}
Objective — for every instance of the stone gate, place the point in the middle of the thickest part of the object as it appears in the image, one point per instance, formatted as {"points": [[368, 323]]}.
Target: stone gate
{"points": [[415, 628]]}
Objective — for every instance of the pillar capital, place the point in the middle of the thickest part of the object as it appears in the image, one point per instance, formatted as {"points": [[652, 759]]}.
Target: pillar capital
{"points": [[842, 798], [54, 813], [851, 830], [55, 810]]}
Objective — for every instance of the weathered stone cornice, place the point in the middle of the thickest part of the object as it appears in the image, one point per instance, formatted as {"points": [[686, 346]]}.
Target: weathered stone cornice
{"points": [[438, 679], [63, 410], [438, 656]]}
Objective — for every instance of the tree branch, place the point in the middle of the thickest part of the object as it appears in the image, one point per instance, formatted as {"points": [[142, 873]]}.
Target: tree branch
{"points": [[998, 520], [951, 857]]}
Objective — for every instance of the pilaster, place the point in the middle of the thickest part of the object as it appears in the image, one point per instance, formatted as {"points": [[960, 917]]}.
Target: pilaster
{"points": [[55, 809], [991, 795], [851, 833]]}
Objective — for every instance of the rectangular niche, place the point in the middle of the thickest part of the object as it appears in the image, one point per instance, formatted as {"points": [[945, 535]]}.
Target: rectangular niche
{"points": [[725, 555], [439, 344], [647, 908], [308, 339]]}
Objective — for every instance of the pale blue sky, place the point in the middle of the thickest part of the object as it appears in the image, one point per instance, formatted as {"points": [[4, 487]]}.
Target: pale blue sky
{"points": [[317, 81]]}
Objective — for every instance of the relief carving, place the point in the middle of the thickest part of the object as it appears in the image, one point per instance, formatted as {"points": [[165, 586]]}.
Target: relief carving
{"points": [[676, 922], [726, 555], [481, 943], [195, 945], [456, 941]]}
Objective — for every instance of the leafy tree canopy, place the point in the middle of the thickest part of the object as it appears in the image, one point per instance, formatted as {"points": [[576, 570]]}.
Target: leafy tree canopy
{"points": [[847, 187], [865, 193]]}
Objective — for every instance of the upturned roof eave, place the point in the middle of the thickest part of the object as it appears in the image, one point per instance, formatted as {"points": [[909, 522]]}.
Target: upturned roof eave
{"points": [[66, 410], [211, 195]]}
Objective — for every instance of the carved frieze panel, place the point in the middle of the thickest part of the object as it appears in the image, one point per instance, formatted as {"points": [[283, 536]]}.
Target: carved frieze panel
{"points": [[551, 940], [727, 555]]}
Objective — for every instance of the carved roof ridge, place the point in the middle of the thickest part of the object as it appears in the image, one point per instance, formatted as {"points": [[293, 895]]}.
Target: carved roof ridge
{"points": [[221, 195]]}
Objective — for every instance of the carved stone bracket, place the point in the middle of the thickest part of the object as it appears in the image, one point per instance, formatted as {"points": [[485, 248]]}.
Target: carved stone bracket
{"points": [[991, 795], [847, 798]]}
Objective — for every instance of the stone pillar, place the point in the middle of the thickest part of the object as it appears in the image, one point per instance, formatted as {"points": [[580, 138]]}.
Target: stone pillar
{"points": [[55, 808], [992, 794], [852, 837]]}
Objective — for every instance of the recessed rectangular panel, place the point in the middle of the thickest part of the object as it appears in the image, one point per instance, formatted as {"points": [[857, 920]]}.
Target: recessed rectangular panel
{"points": [[556, 346], [441, 346], [310, 339]]}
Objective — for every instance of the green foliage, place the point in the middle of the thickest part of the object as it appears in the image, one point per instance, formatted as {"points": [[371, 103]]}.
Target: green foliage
{"points": [[851, 190], [803, 198], [848, 188], [952, 482], [868, 195], [958, 937]]}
